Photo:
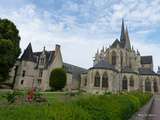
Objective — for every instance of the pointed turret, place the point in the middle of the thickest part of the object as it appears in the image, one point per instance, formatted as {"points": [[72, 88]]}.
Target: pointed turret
{"points": [[44, 50], [127, 40], [122, 37], [28, 53]]}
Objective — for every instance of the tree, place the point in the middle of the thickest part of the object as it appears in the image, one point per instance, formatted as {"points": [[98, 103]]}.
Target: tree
{"points": [[9, 47], [58, 79]]}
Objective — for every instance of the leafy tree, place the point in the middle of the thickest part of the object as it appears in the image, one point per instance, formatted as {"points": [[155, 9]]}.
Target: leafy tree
{"points": [[9, 47], [58, 79]]}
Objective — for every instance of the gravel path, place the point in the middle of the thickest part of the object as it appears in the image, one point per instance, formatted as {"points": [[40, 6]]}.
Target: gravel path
{"points": [[155, 110]]}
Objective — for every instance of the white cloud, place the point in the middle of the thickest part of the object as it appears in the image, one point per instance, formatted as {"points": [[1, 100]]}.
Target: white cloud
{"points": [[95, 25]]}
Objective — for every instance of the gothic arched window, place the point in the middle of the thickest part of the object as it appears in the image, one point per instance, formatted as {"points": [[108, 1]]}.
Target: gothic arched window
{"points": [[147, 85], [124, 83], [155, 87], [131, 81], [97, 80], [105, 80], [121, 55], [113, 58]]}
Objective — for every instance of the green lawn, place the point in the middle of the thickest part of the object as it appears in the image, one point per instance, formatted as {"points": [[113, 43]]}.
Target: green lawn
{"points": [[82, 107]]}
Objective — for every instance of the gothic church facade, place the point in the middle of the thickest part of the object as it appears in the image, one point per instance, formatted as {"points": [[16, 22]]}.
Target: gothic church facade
{"points": [[120, 68]]}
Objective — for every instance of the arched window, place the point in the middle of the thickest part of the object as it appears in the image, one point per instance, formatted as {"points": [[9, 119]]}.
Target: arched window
{"points": [[121, 55], [22, 81], [85, 82], [97, 80], [105, 80], [113, 58], [155, 87], [124, 83], [23, 73], [131, 81], [147, 85]]}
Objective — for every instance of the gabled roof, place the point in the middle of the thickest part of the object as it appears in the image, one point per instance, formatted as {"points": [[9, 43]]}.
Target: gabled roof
{"points": [[74, 70], [146, 60], [146, 71], [116, 43], [103, 65]]}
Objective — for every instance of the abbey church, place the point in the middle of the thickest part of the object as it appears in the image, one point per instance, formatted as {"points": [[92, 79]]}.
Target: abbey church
{"points": [[117, 68], [120, 68]]}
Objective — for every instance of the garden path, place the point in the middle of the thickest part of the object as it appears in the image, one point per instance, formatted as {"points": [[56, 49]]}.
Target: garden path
{"points": [[155, 109]]}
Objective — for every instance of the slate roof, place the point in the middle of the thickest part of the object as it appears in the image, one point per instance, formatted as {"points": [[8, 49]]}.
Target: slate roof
{"points": [[116, 43], [146, 71], [103, 65], [75, 70], [128, 70], [27, 54], [49, 56], [146, 60]]}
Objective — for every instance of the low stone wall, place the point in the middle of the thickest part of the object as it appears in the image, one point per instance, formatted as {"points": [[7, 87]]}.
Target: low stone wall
{"points": [[143, 112]]}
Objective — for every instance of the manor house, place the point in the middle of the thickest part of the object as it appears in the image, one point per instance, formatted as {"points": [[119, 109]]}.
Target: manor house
{"points": [[33, 70]]}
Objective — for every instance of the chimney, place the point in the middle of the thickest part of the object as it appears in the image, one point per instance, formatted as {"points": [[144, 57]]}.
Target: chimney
{"points": [[57, 48]]}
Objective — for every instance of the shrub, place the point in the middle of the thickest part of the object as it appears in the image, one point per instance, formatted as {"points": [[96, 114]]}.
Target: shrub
{"points": [[58, 79], [12, 96], [113, 107]]}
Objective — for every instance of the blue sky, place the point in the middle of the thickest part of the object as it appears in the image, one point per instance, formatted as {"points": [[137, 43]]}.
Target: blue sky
{"points": [[83, 26]]}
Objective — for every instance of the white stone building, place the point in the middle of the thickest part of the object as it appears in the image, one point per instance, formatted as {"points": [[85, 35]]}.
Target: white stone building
{"points": [[33, 70], [120, 68]]}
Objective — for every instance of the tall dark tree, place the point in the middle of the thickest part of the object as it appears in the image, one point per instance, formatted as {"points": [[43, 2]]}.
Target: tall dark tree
{"points": [[9, 47]]}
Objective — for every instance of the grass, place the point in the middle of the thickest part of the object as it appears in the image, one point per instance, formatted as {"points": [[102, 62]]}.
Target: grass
{"points": [[82, 107]]}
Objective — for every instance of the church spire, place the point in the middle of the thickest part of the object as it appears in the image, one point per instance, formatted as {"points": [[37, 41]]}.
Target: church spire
{"points": [[127, 40], [122, 37]]}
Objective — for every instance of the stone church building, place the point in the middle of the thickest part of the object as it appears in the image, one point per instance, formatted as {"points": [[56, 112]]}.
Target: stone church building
{"points": [[120, 68], [117, 68]]}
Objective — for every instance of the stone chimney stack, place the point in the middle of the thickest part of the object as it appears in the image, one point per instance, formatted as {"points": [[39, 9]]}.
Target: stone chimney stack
{"points": [[57, 49]]}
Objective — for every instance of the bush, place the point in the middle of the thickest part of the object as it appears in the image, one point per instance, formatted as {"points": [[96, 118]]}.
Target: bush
{"points": [[113, 107], [12, 96], [58, 79]]}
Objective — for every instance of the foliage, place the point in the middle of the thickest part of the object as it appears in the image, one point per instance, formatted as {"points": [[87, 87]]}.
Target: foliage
{"points": [[85, 107], [58, 79], [12, 96], [9, 47]]}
